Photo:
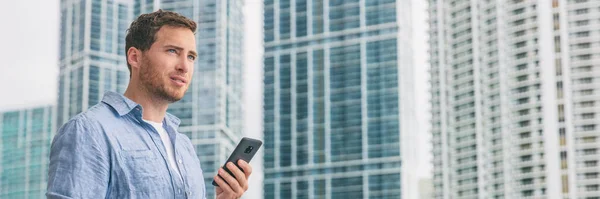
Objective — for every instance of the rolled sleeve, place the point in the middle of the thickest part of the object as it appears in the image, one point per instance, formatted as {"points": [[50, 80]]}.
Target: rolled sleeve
{"points": [[79, 162]]}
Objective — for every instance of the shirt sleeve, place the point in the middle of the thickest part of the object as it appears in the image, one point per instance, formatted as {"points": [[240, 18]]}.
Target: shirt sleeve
{"points": [[79, 162]]}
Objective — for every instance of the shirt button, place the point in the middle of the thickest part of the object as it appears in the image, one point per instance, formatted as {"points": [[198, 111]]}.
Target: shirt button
{"points": [[179, 190], [180, 161], [189, 193]]}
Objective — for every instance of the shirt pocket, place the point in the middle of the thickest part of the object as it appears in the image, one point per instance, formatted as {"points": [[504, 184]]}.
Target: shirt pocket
{"points": [[141, 164]]}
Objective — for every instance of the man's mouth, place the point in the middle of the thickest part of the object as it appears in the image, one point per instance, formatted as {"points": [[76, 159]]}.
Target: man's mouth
{"points": [[178, 79]]}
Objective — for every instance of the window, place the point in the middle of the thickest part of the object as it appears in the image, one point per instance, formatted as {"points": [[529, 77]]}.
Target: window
{"points": [[519, 22], [527, 181], [581, 11], [582, 22], [583, 69], [518, 11], [592, 163], [522, 78], [586, 80], [523, 100], [589, 151], [522, 90], [584, 57], [525, 135], [591, 187], [591, 175], [527, 193], [587, 92], [588, 115], [583, 45], [587, 104], [589, 127], [582, 34], [524, 123], [589, 139], [519, 33]]}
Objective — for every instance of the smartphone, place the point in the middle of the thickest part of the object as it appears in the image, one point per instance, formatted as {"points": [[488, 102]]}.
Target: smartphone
{"points": [[245, 150]]}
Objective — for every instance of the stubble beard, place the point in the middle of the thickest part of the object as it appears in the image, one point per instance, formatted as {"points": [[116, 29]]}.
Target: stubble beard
{"points": [[152, 82]]}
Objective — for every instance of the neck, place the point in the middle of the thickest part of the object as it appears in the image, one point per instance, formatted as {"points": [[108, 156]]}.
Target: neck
{"points": [[154, 108]]}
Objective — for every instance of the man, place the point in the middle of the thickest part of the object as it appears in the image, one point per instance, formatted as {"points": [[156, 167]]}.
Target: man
{"points": [[127, 146]]}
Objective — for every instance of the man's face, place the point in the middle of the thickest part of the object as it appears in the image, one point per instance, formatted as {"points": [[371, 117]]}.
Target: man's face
{"points": [[167, 67]]}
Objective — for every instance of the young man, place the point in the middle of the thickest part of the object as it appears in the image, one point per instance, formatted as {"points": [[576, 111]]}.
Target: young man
{"points": [[127, 146]]}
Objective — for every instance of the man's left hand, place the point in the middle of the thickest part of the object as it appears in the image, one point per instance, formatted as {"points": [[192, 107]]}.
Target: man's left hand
{"points": [[233, 186]]}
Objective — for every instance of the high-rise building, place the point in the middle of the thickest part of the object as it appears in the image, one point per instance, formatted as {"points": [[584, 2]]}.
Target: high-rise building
{"points": [[211, 112], [580, 42], [513, 99], [92, 53], [25, 137], [338, 99]]}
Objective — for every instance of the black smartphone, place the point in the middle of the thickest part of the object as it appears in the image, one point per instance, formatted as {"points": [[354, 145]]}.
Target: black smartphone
{"points": [[245, 150]]}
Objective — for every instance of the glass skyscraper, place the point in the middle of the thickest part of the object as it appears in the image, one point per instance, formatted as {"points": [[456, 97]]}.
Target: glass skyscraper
{"points": [[25, 137], [92, 53], [338, 99]]}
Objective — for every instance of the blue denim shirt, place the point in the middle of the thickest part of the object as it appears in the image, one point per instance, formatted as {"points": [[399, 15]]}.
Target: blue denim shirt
{"points": [[108, 151]]}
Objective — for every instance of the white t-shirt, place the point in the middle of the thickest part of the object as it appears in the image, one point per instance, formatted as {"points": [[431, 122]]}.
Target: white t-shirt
{"points": [[167, 143]]}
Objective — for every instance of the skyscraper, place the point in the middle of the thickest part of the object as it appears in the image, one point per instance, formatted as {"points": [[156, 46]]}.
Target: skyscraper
{"points": [[25, 137], [579, 43], [211, 111], [513, 100], [338, 99], [92, 53]]}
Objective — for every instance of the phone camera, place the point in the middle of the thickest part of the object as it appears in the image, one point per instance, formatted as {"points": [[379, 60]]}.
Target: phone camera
{"points": [[249, 149]]}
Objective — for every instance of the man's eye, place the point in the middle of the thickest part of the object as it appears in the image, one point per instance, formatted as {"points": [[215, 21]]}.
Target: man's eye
{"points": [[191, 57], [172, 51]]}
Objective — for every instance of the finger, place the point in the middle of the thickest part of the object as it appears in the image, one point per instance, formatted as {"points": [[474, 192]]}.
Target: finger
{"points": [[239, 175], [218, 190], [233, 183], [247, 168], [236, 171], [222, 184]]}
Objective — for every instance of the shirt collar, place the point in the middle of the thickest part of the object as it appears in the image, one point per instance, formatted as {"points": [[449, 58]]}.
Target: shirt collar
{"points": [[123, 105]]}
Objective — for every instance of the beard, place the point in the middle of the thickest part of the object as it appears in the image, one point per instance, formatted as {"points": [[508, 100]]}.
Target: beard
{"points": [[153, 82]]}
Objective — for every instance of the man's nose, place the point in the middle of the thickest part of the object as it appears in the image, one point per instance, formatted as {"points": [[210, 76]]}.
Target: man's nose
{"points": [[184, 64]]}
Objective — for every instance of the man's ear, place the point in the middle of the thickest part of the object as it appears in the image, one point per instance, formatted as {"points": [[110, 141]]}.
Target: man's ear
{"points": [[134, 57]]}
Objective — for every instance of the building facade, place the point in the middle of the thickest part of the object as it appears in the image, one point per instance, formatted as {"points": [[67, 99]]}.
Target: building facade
{"points": [[513, 99], [25, 137], [338, 99]]}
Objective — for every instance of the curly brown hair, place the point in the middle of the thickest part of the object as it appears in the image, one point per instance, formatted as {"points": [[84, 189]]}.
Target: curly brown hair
{"points": [[142, 32]]}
